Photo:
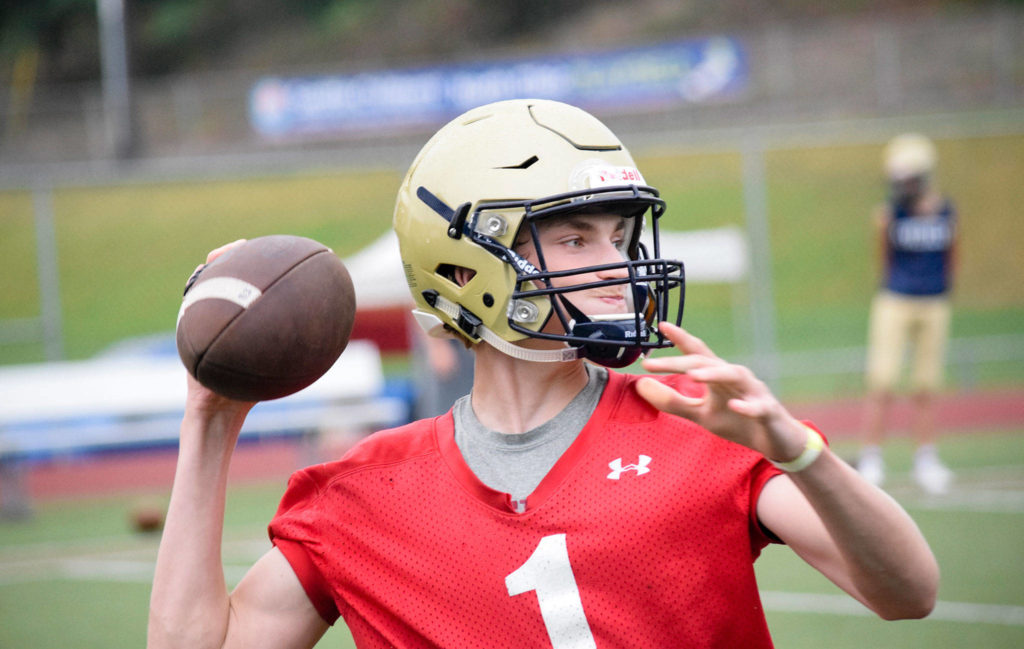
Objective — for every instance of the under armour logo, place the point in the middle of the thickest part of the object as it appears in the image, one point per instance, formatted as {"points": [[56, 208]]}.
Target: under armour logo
{"points": [[617, 469]]}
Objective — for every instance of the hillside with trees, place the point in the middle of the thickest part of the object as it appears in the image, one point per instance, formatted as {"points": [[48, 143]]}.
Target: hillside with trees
{"points": [[58, 39]]}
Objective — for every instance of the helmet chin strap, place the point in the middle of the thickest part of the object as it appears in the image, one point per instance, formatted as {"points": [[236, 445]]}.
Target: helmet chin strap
{"points": [[603, 354], [433, 326], [522, 353]]}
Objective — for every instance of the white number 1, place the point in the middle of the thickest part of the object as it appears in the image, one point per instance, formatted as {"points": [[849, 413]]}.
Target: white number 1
{"points": [[548, 572]]}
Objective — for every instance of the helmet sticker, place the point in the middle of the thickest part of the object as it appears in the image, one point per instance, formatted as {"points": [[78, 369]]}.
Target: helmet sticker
{"points": [[520, 262], [594, 173]]}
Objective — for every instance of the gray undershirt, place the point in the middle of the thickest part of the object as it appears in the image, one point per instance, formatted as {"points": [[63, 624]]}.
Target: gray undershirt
{"points": [[516, 463]]}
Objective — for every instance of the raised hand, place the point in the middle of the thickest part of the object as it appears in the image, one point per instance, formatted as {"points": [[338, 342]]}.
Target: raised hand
{"points": [[200, 398], [736, 405]]}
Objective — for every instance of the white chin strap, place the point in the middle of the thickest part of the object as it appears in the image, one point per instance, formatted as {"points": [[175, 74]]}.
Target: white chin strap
{"points": [[435, 327], [522, 353]]}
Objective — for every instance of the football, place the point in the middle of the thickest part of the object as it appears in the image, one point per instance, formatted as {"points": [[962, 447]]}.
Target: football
{"points": [[147, 519], [266, 318]]}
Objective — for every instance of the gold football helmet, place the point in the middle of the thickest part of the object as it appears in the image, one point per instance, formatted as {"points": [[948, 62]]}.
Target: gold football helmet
{"points": [[483, 182], [909, 161], [909, 155]]}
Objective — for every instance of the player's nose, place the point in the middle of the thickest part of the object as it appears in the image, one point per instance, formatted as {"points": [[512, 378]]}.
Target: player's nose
{"points": [[609, 254]]}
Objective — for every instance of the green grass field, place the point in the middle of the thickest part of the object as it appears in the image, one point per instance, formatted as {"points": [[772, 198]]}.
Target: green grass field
{"points": [[76, 576], [125, 250]]}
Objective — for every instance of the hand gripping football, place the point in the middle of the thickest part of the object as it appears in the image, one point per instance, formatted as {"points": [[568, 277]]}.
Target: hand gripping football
{"points": [[266, 318]]}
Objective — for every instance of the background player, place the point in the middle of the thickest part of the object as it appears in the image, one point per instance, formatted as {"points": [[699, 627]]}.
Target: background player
{"points": [[442, 371], [917, 233], [562, 503]]}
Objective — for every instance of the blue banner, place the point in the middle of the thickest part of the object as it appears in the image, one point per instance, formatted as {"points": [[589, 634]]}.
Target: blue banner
{"points": [[658, 76]]}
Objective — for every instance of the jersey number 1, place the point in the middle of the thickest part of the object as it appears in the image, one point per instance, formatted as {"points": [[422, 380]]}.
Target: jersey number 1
{"points": [[548, 572]]}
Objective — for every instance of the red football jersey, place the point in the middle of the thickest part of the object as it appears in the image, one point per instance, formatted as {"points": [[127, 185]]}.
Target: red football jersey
{"points": [[643, 534]]}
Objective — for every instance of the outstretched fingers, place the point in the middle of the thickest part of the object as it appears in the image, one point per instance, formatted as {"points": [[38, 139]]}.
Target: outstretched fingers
{"points": [[729, 386], [694, 353], [684, 341], [735, 383], [678, 364], [667, 399], [735, 405], [217, 252], [752, 407]]}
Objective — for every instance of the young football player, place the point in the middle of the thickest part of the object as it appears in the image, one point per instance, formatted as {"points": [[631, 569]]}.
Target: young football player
{"points": [[562, 503], [917, 232]]}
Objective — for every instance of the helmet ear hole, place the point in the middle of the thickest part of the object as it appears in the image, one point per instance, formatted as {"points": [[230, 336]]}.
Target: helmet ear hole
{"points": [[458, 275]]}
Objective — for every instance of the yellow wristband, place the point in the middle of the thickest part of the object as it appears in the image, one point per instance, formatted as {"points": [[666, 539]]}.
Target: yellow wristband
{"points": [[812, 449]]}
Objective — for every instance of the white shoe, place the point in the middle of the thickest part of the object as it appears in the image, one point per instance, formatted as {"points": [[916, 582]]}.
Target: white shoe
{"points": [[872, 468], [931, 474]]}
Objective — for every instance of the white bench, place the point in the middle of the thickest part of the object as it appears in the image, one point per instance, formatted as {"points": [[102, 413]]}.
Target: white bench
{"points": [[52, 408]]}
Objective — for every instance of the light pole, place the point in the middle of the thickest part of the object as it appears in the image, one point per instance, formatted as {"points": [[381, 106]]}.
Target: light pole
{"points": [[118, 116]]}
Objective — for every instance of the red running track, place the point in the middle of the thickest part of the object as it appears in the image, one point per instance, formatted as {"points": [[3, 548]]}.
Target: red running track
{"points": [[153, 471]]}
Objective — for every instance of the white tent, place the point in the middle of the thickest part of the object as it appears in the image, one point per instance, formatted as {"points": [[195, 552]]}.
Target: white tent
{"points": [[377, 275]]}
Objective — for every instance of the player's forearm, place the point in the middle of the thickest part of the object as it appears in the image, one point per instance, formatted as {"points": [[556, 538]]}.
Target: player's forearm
{"points": [[887, 559], [189, 602]]}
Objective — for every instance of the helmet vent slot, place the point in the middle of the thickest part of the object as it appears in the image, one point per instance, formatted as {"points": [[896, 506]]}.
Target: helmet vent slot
{"points": [[446, 271], [525, 164]]}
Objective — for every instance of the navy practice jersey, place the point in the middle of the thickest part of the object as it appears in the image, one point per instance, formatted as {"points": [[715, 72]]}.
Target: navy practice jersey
{"points": [[919, 251]]}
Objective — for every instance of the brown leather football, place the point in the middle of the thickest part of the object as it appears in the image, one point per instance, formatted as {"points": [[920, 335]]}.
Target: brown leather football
{"points": [[266, 318]]}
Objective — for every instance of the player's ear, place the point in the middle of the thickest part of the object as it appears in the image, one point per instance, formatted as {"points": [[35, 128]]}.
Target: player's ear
{"points": [[462, 275]]}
